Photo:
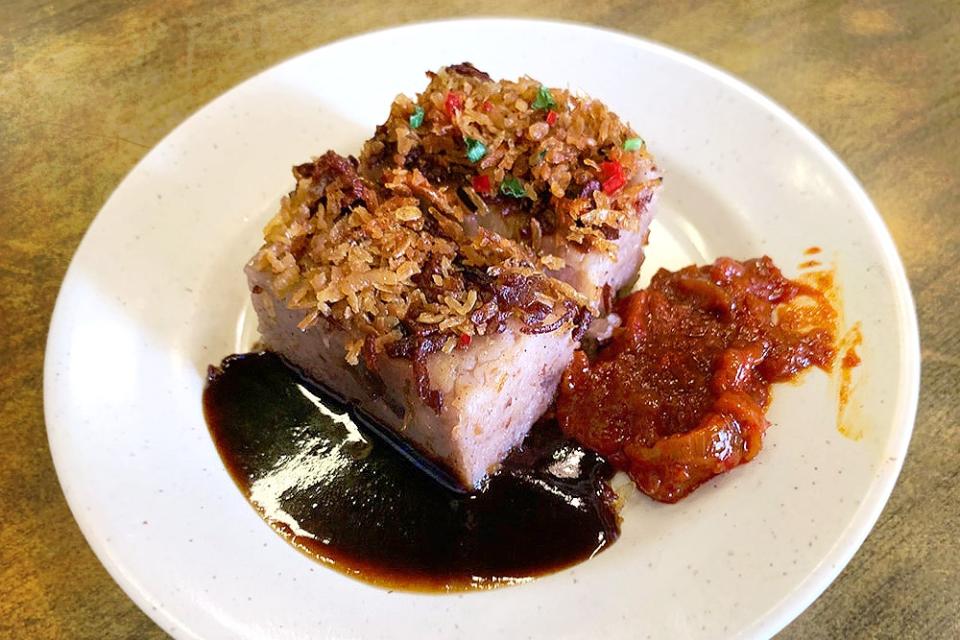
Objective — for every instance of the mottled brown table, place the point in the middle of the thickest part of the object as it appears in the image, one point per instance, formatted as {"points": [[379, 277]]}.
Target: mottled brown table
{"points": [[87, 88]]}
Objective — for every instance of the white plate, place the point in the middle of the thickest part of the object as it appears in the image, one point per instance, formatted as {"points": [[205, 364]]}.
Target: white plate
{"points": [[155, 294]]}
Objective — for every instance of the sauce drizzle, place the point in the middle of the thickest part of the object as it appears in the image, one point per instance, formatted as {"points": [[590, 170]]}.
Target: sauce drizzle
{"points": [[849, 344], [824, 283]]}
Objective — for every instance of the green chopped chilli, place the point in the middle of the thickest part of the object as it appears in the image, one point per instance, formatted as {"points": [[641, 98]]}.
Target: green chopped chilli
{"points": [[475, 149], [416, 119], [632, 144], [512, 187], [544, 99]]}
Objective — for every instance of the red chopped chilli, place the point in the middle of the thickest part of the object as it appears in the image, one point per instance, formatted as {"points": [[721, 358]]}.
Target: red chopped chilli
{"points": [[678, 395], [487, 106], [481, 184], [611, 176], [464, 341], [551, 117], [453, 103]]}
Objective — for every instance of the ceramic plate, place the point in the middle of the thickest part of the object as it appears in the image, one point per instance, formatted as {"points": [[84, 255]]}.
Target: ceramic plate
{"points": [[155, 294]]}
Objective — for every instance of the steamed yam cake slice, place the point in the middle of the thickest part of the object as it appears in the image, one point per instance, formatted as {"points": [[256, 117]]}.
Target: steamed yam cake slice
{"points": [[557, 172], [455, 340]]}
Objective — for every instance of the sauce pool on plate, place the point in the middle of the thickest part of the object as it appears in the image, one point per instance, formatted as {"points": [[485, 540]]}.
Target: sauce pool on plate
{"points": [[350, 501]]}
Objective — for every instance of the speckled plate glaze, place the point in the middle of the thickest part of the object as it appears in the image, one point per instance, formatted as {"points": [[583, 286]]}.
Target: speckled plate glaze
{"points": [[155, 294]]}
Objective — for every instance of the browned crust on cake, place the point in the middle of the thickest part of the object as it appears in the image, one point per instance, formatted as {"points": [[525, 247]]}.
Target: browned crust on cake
{"points": [[558, 164], [393, 266]]}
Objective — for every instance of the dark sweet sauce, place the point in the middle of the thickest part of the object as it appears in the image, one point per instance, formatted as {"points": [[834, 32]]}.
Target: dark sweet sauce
{"points": [[347, 499]]}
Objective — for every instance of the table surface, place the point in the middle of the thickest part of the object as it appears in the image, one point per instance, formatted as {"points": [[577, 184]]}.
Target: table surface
{"points": [[86, 89]]}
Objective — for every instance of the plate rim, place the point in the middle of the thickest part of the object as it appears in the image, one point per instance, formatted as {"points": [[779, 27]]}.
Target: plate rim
{"points": [[904, 415]]}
